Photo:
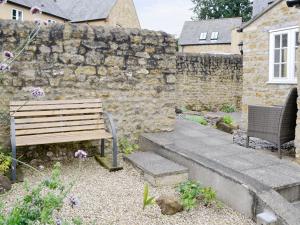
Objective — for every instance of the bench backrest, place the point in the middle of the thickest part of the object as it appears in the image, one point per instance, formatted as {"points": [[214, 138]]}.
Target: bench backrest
{"points": [[59, 116]]}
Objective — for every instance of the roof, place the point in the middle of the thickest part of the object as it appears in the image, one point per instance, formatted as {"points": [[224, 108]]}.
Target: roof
{"points": [[47, 6], [260, 5], [85, 10], [271, 6], [192, 30], [73, 10]]}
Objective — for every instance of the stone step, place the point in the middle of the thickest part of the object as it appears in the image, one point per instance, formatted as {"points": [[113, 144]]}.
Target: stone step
{"points": [[157, 170], [297, 204]]}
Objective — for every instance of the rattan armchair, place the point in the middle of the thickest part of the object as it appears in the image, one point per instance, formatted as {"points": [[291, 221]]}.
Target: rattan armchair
{"points": [[275, 124]]}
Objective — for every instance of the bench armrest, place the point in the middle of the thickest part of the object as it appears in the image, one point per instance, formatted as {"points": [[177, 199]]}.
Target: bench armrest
{"points": [[264, 119], [115, 139]]}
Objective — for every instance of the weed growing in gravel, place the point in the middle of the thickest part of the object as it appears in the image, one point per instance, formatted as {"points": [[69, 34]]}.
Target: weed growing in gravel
{"points": [[227, 108], [228, 120], [147, 201], [191, 191], [198, 119], [126, 147]]}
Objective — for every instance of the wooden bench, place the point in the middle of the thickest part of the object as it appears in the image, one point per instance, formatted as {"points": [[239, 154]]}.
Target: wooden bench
{"points": [[49, 122]]}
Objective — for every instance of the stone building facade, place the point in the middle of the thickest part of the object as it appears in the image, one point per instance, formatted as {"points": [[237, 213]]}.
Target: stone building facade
{"points": [[261, 84], [121, 13], [207, 81], [133, 71]]}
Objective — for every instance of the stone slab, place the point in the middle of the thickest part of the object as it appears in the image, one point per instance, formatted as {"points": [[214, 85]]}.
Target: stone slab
{"points": [[155, 165]]}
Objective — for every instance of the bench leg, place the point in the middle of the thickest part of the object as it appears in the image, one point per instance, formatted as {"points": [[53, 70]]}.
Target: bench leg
{"points": [[247, 141], [102, 147], [14, 164], [115, 151]]}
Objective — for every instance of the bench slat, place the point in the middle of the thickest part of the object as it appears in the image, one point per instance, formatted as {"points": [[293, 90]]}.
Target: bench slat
{"points": [[61, 137], [55, 112], [58, 124], [60, 129], [57, 118], [54, 107], [54, 102]]}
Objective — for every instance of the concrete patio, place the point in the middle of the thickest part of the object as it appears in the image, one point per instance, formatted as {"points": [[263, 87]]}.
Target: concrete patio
{"points": [[245, 179]]}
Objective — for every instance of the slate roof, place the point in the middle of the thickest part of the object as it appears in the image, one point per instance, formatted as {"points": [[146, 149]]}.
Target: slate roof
{"points": [[260, 5], [267, 9], [191, 31], [73, 10]]}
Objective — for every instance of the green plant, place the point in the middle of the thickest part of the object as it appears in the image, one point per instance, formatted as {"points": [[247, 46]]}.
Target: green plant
{"points": [[208, 196], [227, 108], [189, 192], [147, 201], [228, 120], [126, 147], [5, 162], [198, 119], [40, 202]]}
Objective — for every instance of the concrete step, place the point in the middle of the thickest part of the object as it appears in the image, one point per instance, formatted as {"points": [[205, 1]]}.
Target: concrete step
{"points": [[157, 170], [297, 204]]}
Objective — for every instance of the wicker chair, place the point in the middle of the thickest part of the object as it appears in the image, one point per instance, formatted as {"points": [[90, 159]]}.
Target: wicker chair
{"points": [[275, 124]]}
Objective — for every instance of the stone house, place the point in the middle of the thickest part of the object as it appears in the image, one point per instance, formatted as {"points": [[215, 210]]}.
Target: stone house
{"points": [[211, 36], [271, 40], [94, 12]]}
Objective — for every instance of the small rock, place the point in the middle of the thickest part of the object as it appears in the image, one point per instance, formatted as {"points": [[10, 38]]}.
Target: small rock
{"points": [[5, 184], [36, 163], [169, 205]]}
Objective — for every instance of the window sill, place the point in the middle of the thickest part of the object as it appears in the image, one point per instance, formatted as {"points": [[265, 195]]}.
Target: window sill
{"points": [[283, 82]]}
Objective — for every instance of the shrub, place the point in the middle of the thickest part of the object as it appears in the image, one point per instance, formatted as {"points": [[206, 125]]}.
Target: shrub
{"points": [[189, 192], [126, 147], [5, 162], [227, 108], [228, 120], [198, 119]]}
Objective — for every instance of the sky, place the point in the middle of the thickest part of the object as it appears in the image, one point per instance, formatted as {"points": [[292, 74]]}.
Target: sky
{"points": [[164, 15]]}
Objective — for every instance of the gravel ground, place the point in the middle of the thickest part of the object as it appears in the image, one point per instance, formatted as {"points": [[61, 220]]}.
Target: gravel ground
{"points": [[116, 199]]}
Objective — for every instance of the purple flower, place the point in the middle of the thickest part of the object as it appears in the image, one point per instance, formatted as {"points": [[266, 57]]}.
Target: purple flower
{"points": [[37, 22], [8, 54], [4, 67], [58, 222], [3, 2], [37, 92], [81, 154], [35, 10], [45, 22], [73, 201]]}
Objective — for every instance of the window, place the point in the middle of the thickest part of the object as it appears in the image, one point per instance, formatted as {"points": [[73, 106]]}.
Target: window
{"points": [[17, 15], [214, 35], [51, 21], [283, 45], [203, 36]]}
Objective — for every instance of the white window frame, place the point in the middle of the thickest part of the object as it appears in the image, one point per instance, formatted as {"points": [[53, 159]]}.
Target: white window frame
{"points": [[214, 35], [203, 36], [291, 56], [17, 14]]}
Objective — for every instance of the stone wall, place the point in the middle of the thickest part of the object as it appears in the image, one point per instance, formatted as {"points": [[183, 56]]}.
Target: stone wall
{"points": [[206, 82], [257, 89], [297, 139], [133, 71]]}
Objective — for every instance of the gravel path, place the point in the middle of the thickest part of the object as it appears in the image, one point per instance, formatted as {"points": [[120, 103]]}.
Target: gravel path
{"points": [[116, 198]]}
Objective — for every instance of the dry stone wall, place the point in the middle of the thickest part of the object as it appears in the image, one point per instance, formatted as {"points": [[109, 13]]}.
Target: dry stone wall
{"points": [[133, 71], [207, 81]]}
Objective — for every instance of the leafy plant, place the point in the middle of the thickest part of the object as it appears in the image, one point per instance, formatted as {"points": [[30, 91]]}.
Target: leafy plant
{"points": [[5, 162], [189, 192], [127, 147], [209, 196], [227, 108], [40, 202], [147, 201], [228, 120], [198, 119]]}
